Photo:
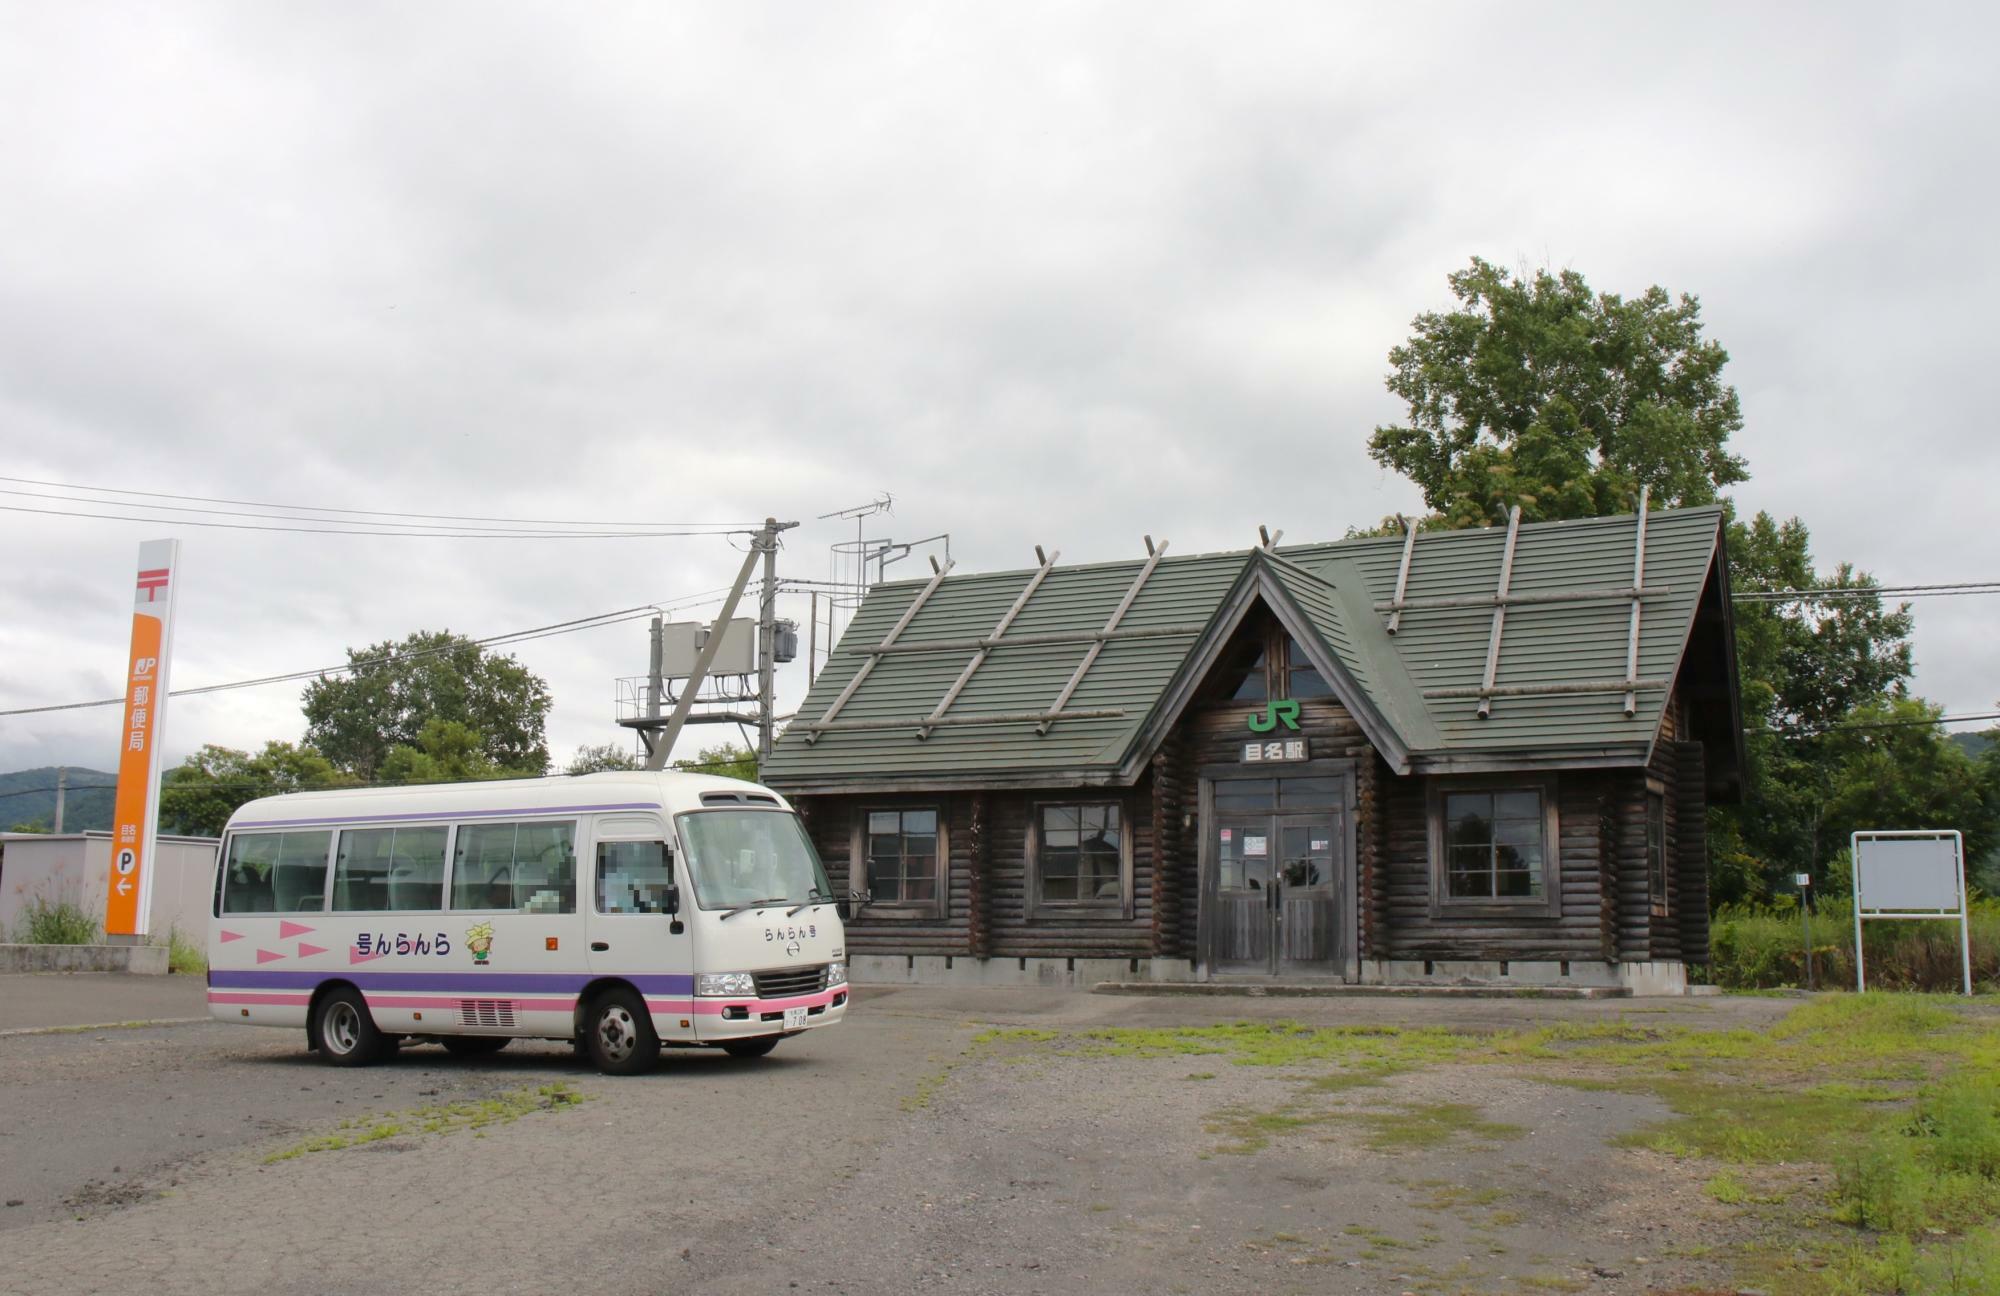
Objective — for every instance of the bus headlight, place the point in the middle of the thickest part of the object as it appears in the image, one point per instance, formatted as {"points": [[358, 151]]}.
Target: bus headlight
{"points": [[725, 983], [836, 974]]}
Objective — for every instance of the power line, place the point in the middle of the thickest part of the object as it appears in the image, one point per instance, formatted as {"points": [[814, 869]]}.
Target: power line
{"points": [[415, 527], [685, 767], [1835, 593], [510, 637], [1970, 718], [317, 508], [410, 535]]}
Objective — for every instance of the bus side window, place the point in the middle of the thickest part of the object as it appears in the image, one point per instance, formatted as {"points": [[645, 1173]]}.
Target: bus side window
{"points": [[633, 877]]}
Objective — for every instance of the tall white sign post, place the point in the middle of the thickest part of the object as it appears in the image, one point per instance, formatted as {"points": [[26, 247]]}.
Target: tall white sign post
{"points": [[1910, 875], [135, 820]]}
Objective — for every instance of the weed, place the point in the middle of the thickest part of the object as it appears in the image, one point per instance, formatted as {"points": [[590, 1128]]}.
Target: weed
{"points": [[55, 922], [442, 1118], [1415, 1126]]}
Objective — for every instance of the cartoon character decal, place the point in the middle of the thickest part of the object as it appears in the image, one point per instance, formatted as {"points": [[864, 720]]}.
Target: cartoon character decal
{"points": [[479, 939]]}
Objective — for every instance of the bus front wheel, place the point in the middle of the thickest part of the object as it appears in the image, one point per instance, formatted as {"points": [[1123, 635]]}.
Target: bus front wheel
{"points": [[345, 1033], [618, 1034]]}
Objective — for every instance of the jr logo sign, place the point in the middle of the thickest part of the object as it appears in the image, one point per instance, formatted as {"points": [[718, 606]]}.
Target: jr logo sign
{"points": [[1286, 712]]}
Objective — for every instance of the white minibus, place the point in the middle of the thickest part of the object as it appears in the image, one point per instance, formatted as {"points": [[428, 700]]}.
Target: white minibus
{"points": [[619, 911]]}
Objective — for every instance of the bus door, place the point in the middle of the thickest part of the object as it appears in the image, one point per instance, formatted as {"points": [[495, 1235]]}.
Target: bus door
{"points": [[634, 883]]}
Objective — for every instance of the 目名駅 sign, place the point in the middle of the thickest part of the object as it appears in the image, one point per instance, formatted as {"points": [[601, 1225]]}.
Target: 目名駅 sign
{"points": [[136, 813]]}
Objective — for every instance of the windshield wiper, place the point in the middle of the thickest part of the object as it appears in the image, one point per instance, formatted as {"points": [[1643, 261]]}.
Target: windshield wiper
{"points": [[813, 896], [754, 904]]}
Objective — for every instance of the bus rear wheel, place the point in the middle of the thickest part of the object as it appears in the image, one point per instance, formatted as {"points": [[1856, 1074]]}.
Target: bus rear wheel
{"points": [[751, 1048], [618, 1034], [345, 1033], [475, 1045]]}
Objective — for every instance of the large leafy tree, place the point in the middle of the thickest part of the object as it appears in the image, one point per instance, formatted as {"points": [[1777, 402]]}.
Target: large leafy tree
{"points": [[198, 795], [1540, 393], [446, 752], [726, 760], [592, 758], [395, 689]]}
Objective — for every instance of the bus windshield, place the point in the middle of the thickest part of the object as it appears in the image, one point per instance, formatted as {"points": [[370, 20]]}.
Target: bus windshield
{"points": [[739, 858]]}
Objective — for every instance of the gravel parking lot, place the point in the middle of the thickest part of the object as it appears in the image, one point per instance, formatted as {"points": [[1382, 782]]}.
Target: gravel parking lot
{"points": [[903, 1151]]}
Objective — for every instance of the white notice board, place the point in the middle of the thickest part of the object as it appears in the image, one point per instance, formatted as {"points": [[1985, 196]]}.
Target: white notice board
{"points": [[1918, 874]]}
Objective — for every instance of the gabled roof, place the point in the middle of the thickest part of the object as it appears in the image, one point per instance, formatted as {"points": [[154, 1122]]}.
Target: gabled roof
{"points": [[1146, 632]]}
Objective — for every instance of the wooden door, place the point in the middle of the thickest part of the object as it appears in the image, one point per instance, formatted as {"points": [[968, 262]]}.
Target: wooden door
{"points": [[1242, 928], [1306, 897]]}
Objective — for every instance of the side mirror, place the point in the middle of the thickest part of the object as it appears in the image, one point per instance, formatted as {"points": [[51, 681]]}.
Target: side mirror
{"points": [[844, 907], [670, 899]]}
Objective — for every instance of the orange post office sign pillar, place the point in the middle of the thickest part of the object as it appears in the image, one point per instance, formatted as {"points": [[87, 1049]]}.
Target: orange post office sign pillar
{"points": [[136, 813]]}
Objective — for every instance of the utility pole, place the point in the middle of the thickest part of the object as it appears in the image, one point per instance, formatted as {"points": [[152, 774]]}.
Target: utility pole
{"points": [[656, 663], [62, 786], [764, 546], [767, 642]]}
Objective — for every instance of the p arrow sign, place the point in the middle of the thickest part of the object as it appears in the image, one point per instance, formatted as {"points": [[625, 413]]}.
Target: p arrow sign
{"points": [[125, 886]]}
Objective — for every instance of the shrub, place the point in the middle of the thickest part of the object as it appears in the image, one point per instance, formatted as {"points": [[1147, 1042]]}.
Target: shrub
{"points": [[55, 922], [185, 954], [1763, 946]]}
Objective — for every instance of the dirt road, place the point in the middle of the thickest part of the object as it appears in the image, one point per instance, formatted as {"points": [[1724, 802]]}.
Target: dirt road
{"points": [[891, 1154]]}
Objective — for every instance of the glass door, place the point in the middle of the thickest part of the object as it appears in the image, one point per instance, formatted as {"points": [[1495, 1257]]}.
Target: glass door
{"points": [[1243, 928], [1306, 903]]}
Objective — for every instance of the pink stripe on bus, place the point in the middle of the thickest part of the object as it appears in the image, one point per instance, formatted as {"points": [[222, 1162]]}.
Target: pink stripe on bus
{"points": [[285, 1000], [712, 1007], [459, 1001]]}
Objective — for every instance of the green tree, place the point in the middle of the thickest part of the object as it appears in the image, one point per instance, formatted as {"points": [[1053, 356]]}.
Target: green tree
{"points": [[396, 689], [198, 795], [728, 761], [32, 826], [1891, 770], [1542, 394], [608, 756], [446, 752]]}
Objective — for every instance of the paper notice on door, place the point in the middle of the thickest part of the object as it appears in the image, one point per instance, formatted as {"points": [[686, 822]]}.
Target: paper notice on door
{"points": [[1320, 845], [1225, 834], [1256, 845]]}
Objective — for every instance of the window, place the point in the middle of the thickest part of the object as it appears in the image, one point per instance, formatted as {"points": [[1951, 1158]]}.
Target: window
{"points": [[276, 873], [1656, 850], [1080, 857], [389, 869], [751, 857], [633, 877], [902, 857], [1495, 845], [1303, 679], [527, 867], [1254, 688]]}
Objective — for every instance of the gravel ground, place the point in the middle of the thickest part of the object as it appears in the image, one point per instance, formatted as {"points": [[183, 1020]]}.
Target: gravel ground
{"points": [[885, 1155]]}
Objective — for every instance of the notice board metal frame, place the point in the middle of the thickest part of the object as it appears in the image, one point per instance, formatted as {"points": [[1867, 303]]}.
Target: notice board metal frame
{"points": [[1861, 901]]}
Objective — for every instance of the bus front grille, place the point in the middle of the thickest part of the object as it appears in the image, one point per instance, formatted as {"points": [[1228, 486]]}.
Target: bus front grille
{"points": [[486, 1012], [791, 981]]}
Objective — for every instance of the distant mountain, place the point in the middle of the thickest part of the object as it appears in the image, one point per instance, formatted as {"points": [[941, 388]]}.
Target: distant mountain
{"points": [[1975, 744], [29, 797]]}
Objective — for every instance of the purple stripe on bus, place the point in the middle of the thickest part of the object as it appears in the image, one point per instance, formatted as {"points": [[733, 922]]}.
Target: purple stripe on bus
{"points": [[443, 814], [470, 983]]}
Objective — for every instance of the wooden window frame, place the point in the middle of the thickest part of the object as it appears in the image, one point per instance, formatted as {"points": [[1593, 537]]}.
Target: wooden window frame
{"points": [[857, 869], [1445, 905], [1659, 897], [1123, 908]]}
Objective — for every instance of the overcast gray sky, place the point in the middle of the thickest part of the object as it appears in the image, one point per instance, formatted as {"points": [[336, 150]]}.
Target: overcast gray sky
{"points": [[1048, 274]]}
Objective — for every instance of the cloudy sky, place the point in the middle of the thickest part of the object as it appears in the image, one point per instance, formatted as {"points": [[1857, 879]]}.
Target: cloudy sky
{"points": [[1047, 274]]}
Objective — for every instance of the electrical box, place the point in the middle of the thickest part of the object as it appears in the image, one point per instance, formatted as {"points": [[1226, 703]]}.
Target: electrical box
{"points": [[785, 644], [681, 642]]}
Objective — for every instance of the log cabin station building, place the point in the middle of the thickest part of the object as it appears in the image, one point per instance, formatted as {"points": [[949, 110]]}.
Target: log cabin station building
{"points": [[1478, 757]]}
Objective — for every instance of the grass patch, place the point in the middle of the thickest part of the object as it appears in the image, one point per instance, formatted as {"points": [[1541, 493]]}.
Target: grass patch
{"points": [[55, 922], [185, 955], [441, 1118], [1413, 1127]]}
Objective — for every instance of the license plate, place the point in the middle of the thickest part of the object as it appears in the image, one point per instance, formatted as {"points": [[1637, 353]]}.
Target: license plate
{"points": [[795, 1019]]}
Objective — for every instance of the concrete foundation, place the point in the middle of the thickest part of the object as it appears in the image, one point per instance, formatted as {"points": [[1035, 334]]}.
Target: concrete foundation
{"points": [[1663, 978], [139, 960], [1655, 978], [961, 970]]}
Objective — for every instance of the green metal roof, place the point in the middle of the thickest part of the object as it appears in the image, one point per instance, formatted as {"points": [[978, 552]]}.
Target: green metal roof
{"points": [[1414, 691]]}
